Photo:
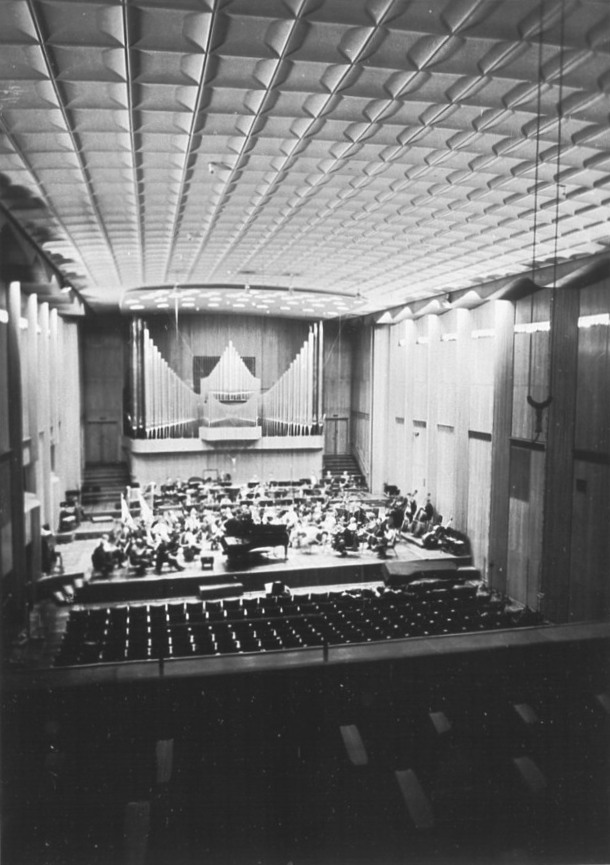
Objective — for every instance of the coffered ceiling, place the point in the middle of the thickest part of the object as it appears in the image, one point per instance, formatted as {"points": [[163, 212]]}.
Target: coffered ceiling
{"points": [[303, 157]]}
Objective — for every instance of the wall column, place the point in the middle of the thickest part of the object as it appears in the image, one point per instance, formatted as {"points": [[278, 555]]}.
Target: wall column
{"points": [[45, 416], [462, 418], [380, 376], [434, 337], [504, 320], [559, 465], [32, 397], [15, 429]]}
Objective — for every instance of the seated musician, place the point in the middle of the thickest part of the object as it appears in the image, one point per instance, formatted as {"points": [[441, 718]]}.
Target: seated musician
{"points": [[239, 524], [140, 556], [102, 557], [191, 546], [166, 552], [385, 536]]}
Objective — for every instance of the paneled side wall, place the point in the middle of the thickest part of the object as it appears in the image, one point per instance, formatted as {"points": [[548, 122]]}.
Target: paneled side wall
{"points": [[104, 370], [360, 397], [502, 415], [40, 452], [439, 375]]}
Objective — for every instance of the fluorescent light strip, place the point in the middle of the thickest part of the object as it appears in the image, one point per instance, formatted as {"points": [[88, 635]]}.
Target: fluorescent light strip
{"points": [[533, 327], [603, 318]]}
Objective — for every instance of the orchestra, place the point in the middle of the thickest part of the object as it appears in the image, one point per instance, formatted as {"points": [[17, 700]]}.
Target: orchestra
{"points": [[188, 518]]}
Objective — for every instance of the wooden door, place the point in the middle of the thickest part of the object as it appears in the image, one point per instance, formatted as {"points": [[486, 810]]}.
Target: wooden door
{"points": [[336, 437], [102, 441]]}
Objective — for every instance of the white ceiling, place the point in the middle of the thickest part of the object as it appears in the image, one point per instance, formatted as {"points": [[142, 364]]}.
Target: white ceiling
{"points": [[336, 156]]}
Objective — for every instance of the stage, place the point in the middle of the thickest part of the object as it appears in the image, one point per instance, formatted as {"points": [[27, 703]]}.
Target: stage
{"points": [[313, 566]]}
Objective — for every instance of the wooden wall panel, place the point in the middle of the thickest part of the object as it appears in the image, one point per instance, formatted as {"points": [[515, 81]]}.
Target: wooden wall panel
{"points": [[593, 374], [339, 355], [504, 318], [359, 394], [420, 373], [27, 374], [104, 347], [396, 411], [243, 466], [560, 456], [69, 397], [446, 363], [482, 352], [433, 400], [419, 480], [482, 383], [525, 525], [462, 416], [531, 365], [382, 459], [479, 494], [590, 542], [445, 473]]}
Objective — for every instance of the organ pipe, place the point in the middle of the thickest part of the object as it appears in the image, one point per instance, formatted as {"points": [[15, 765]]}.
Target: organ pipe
{"points": [[164, 406], [289, 407], [172, 407], [137, 378]]}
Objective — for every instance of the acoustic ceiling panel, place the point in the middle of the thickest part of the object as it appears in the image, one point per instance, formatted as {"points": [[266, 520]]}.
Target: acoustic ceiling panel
{"points": [[346, 156]]}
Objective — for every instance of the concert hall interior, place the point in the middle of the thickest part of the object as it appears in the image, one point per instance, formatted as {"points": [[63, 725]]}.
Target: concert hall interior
{"points": [[305, 432]]}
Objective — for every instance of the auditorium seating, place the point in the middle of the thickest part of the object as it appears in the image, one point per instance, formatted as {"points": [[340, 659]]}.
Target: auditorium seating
{"points": [[140, 632]]}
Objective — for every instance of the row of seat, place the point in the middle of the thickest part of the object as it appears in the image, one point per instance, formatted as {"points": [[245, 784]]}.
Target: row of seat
{"points": [[192, 628]]}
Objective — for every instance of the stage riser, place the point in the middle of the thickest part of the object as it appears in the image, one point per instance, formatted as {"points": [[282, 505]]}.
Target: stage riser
{"points": [[281, 459], [147, 588]]}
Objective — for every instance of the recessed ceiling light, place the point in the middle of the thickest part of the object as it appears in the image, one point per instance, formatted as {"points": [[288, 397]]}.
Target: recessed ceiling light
{"points": [[136, 306], [162, 305]]}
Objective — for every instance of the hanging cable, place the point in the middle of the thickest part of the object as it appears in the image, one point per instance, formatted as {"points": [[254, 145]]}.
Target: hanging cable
{"points": [[540, 405]]}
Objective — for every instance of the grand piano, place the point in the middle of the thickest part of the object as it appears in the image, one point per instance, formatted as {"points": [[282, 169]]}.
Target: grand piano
{"points": [[244, 538]]}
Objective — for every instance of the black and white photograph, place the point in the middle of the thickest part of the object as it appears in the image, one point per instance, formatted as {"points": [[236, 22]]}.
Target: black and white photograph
{"points": [[305, 432]]}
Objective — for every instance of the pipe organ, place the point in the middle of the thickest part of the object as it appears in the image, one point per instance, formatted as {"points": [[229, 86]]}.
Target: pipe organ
{"points": [[290, 406], [231, 405], [230, 394], [171, 407]]}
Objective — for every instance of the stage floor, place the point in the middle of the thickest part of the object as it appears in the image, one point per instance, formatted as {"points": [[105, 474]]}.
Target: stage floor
{"points": [[317, 565]]}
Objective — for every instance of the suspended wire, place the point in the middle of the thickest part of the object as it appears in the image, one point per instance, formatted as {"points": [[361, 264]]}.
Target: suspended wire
{"points": [[530, 399], [538, 126], [559, 144]]}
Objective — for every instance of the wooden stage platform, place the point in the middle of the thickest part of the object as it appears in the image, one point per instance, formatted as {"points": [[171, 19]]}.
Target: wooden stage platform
{"points": [[320, 567]]}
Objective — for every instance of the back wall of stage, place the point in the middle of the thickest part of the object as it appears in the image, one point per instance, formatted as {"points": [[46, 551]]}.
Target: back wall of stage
{"points": [[281, 458]]}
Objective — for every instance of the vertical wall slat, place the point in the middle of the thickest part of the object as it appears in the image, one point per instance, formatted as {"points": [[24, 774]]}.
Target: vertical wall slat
{"points": [[504, 318], [558, 479], [17, 498]]}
